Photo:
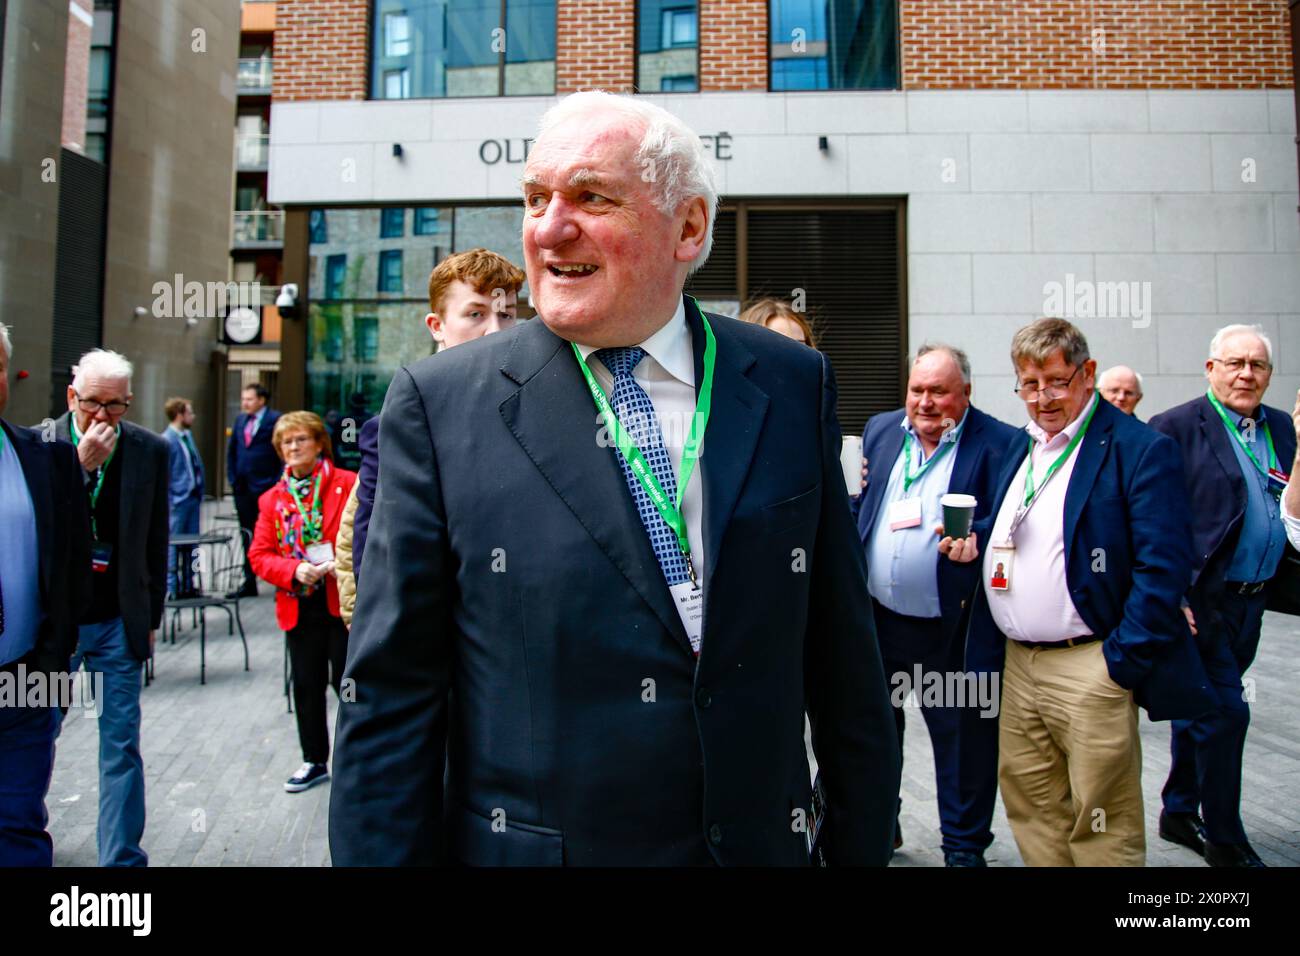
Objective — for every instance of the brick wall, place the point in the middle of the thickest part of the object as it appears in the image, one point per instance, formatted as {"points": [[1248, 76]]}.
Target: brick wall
{"points": [[594, 45], [1116, 44], [733, 45], [321, 49]]}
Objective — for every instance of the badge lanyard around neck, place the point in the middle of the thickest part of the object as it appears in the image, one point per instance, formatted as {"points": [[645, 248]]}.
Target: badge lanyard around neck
{"points": [[1032, 492], [670, 511], [311, 517], [946, 443], [103, 473], [1236, 433]]}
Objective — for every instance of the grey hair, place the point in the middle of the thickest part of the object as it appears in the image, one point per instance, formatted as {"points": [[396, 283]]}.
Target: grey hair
{"points": [[957, 354], [1101, 379], [1228, 331], [1039, 341], [670, 152], [103, 364], [5, 341]]}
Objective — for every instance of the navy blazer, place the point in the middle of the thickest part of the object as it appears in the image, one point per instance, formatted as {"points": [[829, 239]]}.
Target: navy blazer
{"points": [[1125, 511], [367, 478], [984, 444], [255, 468], [183, 483], [526, 693], [1216, 486], [62, 513]]}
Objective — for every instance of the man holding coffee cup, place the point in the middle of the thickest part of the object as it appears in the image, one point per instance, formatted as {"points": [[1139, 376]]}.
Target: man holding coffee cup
{"points": [[1085, 566], [938, 460]]}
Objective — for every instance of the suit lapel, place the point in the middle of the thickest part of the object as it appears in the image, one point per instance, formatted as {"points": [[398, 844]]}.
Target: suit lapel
{"points": [[556, 424], [1221, 444], [1092, 453], [889, 446], [132, 466], [36, 464], [968, 450]]}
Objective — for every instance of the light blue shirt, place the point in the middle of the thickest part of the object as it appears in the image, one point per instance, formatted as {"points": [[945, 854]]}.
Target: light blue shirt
{"points": [[1263, 534], [902, 566], [19, 559]]}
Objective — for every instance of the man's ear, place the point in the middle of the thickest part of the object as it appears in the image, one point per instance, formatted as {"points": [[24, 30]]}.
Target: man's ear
{"points": [[694, 231], [433, 322]]}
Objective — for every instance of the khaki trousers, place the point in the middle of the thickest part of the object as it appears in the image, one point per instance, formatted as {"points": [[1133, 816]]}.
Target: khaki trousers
{"points": [[1070, 759]]}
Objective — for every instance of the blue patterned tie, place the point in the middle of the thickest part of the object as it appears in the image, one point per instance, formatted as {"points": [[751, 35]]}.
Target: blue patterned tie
{"points": [[636, 413]]}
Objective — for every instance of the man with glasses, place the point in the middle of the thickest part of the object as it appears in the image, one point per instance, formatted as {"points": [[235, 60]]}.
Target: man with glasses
{"points": [[125, 471], [1236, 456], [1082, 574]]}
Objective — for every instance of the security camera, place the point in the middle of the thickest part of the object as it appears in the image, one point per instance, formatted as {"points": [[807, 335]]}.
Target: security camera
{"points": [[287, 301]]}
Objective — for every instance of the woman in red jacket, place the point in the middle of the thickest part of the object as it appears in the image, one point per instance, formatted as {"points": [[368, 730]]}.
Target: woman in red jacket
{"points": [[293, 549]]}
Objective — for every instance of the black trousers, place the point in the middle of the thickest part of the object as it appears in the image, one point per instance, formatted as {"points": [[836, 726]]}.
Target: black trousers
{"points": [[246, 508], [318, 648]]}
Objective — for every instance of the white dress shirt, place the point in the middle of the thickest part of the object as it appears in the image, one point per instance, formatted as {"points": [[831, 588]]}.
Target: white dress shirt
{"points": [[1291, 521], [667, 373], [1038, 606]]}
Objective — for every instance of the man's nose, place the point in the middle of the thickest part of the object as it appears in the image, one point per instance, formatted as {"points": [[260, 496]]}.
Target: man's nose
{"points": [[555, 227]]}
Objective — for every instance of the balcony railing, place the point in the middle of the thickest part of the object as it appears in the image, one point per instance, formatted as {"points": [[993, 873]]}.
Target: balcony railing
{"points": [[254, 74], [252, 150], [258, 229]]}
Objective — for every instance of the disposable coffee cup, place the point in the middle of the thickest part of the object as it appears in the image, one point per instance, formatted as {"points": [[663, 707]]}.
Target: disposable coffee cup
{"points": [[851, 464], [958, 512]]}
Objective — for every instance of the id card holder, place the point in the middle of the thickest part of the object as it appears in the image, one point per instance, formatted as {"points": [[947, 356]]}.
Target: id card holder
{"points": [[320, 553], [904, 513], [688, 598], [1003, 557], [101, 556], [1277, 482]]}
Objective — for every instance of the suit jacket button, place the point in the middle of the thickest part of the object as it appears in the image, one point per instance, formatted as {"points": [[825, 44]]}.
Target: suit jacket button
{"points": [[715, 835], [702, 698]]}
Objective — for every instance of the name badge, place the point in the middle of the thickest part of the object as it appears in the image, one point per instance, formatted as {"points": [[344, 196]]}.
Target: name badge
{"points": [[1003, 557], [689, 601], [101, 556], [320, 552], [905, 513], [1277, 482]]}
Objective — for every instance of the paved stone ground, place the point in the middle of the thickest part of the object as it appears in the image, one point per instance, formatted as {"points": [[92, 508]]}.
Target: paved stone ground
{"points": [[216, 758]]}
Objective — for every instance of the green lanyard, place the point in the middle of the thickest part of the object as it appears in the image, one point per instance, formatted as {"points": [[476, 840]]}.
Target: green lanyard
{"points": [[103, 472], [945, 445], [669, 510], [2, 439], [1030, 490], [311, 519], [1268, 435]]}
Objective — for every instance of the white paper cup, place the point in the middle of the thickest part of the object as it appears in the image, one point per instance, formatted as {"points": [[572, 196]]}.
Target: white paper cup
{"points": [[958, 512], [851, 464]]}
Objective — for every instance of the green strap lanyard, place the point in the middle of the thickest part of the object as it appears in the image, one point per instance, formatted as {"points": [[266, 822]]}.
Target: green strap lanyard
{"points": [[1030, 490], [311, 519], [1236, 433], [103, 473], [670, 511], [946, 444]]}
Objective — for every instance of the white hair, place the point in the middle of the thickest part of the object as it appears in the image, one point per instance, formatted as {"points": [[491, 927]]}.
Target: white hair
{"points": [[1228, 331], [101, 363], [670, 153], [5, 342], [1101, 379]]}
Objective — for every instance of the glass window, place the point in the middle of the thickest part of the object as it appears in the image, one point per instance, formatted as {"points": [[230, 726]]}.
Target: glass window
{"points": [[834, 44], [426, 220], [390, 270], [319, 232], [366, 338], [667, 46], [336, 271], [392, 223], [437, 48]]}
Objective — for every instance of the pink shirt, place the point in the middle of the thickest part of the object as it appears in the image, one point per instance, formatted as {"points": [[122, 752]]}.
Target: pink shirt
{"points": [[1038, 606]]}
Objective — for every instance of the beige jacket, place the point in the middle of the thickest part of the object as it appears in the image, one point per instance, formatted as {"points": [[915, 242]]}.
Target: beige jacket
{"points": [[347, 581]]}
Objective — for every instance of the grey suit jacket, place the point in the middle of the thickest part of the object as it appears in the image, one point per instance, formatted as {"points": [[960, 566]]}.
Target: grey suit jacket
{"points": [[141, 550]]}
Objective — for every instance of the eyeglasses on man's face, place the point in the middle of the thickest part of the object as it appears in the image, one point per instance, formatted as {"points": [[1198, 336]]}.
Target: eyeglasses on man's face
{"points": [[1235, 365], [91, 407], [1031, 392]]}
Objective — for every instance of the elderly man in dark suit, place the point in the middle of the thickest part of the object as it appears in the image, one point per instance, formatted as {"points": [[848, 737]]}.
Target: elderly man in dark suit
{"points": [[252, 466], [937, 444], [1235, 453], [125, 472], [1083, 570], [44, 586], [584, 637]]}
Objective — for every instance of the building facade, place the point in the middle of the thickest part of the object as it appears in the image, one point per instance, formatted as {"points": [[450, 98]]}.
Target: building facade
{"points": [[907, 170]]}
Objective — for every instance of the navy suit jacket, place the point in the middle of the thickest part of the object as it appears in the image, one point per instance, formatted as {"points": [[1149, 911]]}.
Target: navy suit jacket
{"points": [[1125, 511], [1216, 487], [526, 693], [980, 452], [183, 483], [53, 477], [253, 469], [367, 478]]}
